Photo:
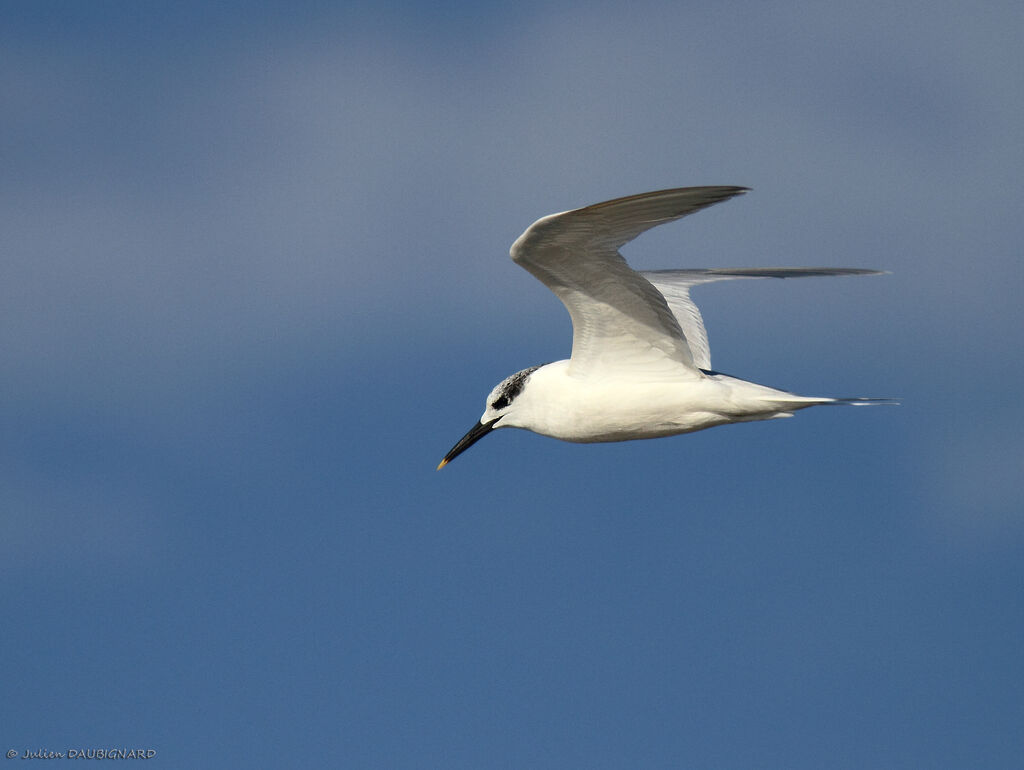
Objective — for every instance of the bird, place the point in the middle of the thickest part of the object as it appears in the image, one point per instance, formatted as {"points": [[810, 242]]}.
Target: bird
{"points": [[640, 365]]}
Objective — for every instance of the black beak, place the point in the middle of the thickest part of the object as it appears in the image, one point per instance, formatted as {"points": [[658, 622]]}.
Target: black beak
{"points": [[476, 433]]}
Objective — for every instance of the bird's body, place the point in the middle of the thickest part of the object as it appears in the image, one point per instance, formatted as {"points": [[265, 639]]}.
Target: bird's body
{"points": [[593, 409], [640, 364]]}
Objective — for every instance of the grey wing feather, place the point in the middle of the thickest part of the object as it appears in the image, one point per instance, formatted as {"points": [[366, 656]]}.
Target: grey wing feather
{"points": [[675, 286], [619, 318]]}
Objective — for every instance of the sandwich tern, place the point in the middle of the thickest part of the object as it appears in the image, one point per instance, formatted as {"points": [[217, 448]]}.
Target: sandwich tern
{"points": [[640, 365]]}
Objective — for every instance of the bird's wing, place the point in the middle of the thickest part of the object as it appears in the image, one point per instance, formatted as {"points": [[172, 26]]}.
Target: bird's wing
{"points": [[621, 322], [675, 285]]}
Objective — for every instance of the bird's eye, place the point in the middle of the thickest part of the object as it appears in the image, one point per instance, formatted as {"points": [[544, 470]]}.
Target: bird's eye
{"points": [[500, 403]]}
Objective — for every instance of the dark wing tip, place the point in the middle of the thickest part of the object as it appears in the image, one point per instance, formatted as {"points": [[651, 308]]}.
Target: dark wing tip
{"points": [[791, 272], [701, 196]]}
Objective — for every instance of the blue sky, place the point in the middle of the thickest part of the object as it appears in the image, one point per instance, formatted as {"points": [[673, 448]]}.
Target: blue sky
{"points": [[255, 284]]}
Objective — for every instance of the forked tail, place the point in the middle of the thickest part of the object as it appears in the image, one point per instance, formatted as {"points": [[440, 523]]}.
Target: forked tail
{"points": [[859, 401]]}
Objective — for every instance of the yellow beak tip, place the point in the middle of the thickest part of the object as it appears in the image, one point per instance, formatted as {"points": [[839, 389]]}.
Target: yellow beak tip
{"points": [[441, 464]]}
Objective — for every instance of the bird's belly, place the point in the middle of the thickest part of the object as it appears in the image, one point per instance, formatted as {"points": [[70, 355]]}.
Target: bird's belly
{"points": [[617, 414]]}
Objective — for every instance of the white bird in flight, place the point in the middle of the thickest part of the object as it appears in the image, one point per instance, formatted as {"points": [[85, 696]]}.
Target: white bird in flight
{"points": [[640, 364]]}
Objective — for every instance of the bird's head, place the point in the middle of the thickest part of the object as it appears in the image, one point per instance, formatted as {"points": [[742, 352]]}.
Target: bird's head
{"points": [[499, 409]]}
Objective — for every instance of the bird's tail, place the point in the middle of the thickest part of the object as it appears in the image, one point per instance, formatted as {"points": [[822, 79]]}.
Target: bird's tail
{"points": [[859, 401]]}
